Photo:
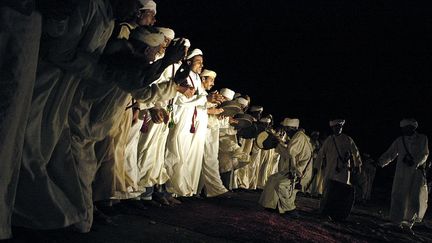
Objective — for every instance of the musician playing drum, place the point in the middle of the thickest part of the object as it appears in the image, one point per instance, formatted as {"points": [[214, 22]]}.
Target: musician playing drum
{"points": [[295, 171]]}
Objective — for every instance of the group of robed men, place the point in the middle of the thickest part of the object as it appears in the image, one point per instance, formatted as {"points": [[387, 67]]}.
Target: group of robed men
{"points": [[339, 160], [101, 105]]}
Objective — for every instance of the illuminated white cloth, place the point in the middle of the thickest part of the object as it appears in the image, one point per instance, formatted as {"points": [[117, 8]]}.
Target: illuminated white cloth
{"points": [[409, 191]]}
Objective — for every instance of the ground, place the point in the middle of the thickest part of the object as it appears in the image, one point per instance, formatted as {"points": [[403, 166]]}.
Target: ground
{"points": [[236, 219]]}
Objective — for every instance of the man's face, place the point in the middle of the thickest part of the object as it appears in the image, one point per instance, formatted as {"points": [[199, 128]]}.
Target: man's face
{"points": [[197, 63], [290, 131], [337, 129], [208, 82], [146, 17], [256, 114], [408, 130], [164, 45]]}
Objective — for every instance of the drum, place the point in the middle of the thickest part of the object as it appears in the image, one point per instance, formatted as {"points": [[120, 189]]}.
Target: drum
{"points": [[338, 200], [248, 132], [244, 120], [230, 108], [266, 140]]}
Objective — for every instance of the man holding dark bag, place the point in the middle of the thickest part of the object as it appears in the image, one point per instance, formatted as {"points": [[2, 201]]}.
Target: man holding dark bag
{"points": [[409, 193], [342, 160]]}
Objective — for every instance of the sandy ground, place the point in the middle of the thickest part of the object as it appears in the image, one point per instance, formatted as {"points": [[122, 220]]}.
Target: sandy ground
{"points": [[236, 219]]}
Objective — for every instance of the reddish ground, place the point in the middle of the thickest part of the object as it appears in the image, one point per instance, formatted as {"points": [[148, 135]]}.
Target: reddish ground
{"points": [[238, 219]]}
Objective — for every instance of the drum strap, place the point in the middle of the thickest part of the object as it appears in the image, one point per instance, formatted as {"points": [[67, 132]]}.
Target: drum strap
{"points": [[405, 147]]}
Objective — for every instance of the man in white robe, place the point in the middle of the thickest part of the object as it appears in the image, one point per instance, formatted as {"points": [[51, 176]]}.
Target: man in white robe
{"points": [[152, 140], [49, 174], [268, 162], [409, 192], [339, 158], [210, 178], [20, 32], [247, 176], [281, 188], [185, 143]]}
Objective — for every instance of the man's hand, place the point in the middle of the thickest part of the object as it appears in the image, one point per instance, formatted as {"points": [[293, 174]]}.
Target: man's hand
{"points": [[232, 121], [182, 74], [214, 111], [158, 115], [175, 52], [186, 90], [215, 98]]}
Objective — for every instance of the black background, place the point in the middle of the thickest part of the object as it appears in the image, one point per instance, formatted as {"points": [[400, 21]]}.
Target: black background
{"points": [[369, 62]]}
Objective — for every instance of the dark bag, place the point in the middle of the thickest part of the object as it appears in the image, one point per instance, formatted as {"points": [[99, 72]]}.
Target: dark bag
{"points": [[338, 200]]}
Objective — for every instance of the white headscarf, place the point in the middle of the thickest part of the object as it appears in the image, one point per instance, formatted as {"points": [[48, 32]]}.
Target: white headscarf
{"points": [[291, 122], [337, 122], [151, 39], [168, 33], [256, 108], [408, 122], [208, 73], [194, 52], [148, 4], [227, 93]]}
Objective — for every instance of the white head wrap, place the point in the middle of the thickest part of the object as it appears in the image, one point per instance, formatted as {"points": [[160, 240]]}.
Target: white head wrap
{"points": [[256, 108], [337, 122], [151, 39], [208, 73], [194, 52], [227, 93], [265, 120], [168, 33], [242, 101], [186, 41], [148, 4], [408, 122], [288, 122]]}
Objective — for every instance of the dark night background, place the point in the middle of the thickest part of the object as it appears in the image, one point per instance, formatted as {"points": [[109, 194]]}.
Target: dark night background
{"points": [[367, 62]]}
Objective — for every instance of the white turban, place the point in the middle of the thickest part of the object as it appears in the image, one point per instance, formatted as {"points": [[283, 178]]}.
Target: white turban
{"points": [[151, 39], [195, 52], [265, 120], [148, 4], [242, 101], [288, 122], [186, 41], [256, 108], [168, 33], [337, 122], [208, 73], [408, 122], [227, 93]]}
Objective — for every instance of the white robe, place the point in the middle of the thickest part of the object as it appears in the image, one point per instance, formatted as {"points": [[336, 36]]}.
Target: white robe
{"points": [[49, 173], [242, 174], [328, 155], [269, 166], [409, 192], [185, 150], [210, 176], [279, 191], [19, 47], [152, 144]]}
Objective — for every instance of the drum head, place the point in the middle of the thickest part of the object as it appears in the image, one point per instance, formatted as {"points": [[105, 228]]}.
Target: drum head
{"points": [[231, 108], [266, 140], [244, 120], [248, 132]]}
